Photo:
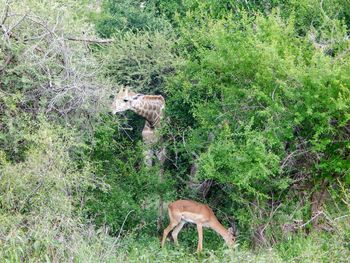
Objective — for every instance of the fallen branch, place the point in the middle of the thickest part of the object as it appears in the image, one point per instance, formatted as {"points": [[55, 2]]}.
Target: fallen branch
{"points": [[312, 219], [97, 41]]}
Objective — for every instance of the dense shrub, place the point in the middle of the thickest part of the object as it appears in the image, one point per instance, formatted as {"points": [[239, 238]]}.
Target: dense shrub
{"points": [[141, 60], [45, 64], [268, 110], [127, 16], [40, 203], [257, 126]]}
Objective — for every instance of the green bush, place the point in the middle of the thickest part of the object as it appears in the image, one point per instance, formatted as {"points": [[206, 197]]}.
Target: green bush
{"points": [[127, 16], [141, 60], [257, 126], [128, 186], [260, 104], [39, 203]]}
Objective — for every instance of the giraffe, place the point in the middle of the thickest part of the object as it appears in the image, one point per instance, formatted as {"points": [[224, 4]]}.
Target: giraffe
{"points": [[151, 108]]}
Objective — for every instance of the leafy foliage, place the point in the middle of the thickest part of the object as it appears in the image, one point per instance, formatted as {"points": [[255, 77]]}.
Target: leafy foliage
{"points": [[141, 60], [42, 69], [129, 16], [131, 189], [40, 203], [266, 106], [257, 126]]}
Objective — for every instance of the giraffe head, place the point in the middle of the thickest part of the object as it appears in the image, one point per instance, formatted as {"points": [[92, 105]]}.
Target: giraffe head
{"points": [[123, 100]]}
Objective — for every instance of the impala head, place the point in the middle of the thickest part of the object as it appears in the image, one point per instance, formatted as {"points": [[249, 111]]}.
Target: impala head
{"points": [[123, 100]]}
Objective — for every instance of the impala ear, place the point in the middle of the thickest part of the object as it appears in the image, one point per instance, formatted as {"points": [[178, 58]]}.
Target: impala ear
{"points": [[232, 230], [233, 225]]}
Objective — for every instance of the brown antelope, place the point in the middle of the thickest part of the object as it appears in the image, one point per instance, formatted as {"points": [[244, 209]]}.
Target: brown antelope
{"points": [[183, 211]]}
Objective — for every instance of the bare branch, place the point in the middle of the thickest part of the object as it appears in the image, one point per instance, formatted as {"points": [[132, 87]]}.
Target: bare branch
{"points": [[312, 219], [285, 161], [6, 13], [7, 61], [97, 41], [17, 23]]}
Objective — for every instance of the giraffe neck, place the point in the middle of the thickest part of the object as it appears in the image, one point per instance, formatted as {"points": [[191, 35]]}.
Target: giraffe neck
{"points": [[149, 107]]}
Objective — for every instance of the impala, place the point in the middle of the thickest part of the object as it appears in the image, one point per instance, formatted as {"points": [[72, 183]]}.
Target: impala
{"points": [[183, 211]]}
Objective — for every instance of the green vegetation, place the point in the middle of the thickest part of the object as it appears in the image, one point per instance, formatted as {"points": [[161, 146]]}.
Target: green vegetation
{"points": [[257, 126]]}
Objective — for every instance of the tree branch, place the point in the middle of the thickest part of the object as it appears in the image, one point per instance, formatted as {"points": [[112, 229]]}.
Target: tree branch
{"points": [[97, 41], [6, 12], [7, 61]]}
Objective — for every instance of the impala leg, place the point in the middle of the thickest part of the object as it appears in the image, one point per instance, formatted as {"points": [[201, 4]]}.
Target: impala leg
{"points": [[176, 231], [174, 221], [200, 237], [167, 230]]}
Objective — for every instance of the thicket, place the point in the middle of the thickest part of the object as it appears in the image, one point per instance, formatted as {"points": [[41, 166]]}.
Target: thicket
{"points": [[257, 126]]}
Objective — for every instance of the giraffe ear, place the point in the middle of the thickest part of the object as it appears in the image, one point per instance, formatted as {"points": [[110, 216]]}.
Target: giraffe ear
{"points": [[127, 96], [135, 97]]}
